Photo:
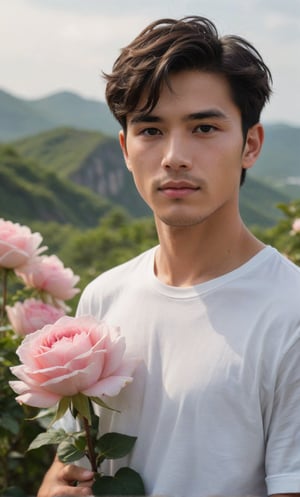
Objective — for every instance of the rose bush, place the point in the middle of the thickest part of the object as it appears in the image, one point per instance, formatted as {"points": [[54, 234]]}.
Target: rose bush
{"points": [[285, 235], [65, 364], [22, 311], [71, 356], [31, 315], [74, 364], [17, 244], [48, 274]]}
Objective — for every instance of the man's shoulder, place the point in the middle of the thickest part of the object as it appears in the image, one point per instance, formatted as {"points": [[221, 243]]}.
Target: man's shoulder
{"points": [[280, 282], [132, 268], [284, 268], [114, 283]]}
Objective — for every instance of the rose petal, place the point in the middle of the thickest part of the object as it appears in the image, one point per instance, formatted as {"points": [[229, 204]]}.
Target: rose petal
{"points": [[48, 273], [31, 315], [37, 377], [127, 367], [13, 258], [114, 357], [23, 374], [110, 386], [96, 359], [17, 244], [64, 351], [33, 397], [73, 382]]}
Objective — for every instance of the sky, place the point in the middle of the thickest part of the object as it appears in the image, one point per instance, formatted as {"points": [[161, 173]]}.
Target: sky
{"points": [[48, 46]]}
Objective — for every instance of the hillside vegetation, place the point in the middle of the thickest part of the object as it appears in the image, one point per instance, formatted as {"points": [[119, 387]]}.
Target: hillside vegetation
{"points": [[86, 158], [29, 192], [61, 150]]}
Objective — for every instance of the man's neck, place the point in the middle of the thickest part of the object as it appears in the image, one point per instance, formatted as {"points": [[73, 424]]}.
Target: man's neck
{"points": [[193, 255]]}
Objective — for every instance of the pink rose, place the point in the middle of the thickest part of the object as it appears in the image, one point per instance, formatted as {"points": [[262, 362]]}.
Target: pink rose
{"points": [[296, 225], [71, 356], [48, 273], [32, 315], [17, 244]]}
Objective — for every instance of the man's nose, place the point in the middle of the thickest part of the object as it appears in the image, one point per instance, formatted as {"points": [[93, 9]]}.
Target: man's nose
{"points": [[176, 154]]}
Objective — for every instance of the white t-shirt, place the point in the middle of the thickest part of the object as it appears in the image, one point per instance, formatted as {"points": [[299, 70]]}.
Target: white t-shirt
{"points": [[215, 402]]}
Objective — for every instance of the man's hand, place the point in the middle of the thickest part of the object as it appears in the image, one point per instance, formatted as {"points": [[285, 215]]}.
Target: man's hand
{"points": [[66, 480]]}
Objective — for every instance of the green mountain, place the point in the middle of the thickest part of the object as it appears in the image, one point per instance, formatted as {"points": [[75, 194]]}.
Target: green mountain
{"points": [[18, 119], [96, 162], [280, 153], [29, 192], [258, 203], [278, 163], [61, 150], [69, 109], [21, 117], [88, 159]]}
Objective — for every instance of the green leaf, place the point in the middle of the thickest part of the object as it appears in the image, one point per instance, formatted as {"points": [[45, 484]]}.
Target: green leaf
{"points": [[81, 404], [48, 438], [107, 485], [80, 441], [68, 452], [52, 412], [131, 481], [125, 482], [46, 417], [101, 403], [114, 445], [62, 408]]}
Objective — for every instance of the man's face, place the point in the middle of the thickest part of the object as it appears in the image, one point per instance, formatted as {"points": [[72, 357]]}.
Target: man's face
{"points": [[186, 155]]}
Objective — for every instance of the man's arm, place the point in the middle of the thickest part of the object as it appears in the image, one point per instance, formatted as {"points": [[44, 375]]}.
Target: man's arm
{"points": [[60, 480]]}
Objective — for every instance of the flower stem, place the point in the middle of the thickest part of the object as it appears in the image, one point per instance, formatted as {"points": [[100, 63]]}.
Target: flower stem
{"points": [[91, 451], [4, 294]]}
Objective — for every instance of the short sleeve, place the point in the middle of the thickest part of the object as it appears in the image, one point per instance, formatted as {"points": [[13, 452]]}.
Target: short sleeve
{"points": [[282, 460]]}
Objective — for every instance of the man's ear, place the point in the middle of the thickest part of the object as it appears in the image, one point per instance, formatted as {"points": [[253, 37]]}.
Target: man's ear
{"points": [[122, 141], [252, 148]]}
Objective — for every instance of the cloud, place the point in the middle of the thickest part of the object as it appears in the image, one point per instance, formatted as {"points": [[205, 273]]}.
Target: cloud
{"points": [[285, 29], [286, 8], [50, 45], [98, 7]]}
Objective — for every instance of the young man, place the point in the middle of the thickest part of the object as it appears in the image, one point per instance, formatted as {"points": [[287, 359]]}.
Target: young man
{"points": [[212, 312]]}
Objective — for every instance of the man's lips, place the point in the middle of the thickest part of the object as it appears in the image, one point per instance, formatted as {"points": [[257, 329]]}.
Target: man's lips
{"points": [[178, 189]]}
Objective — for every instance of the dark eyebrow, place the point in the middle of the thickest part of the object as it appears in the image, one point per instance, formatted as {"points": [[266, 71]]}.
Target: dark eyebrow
{"points": [[145, 118], [195, 116], [205, 114]]}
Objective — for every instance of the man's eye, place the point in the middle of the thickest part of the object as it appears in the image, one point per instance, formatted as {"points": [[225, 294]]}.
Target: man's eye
{"points": [[204, 128], [150, 132]]}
